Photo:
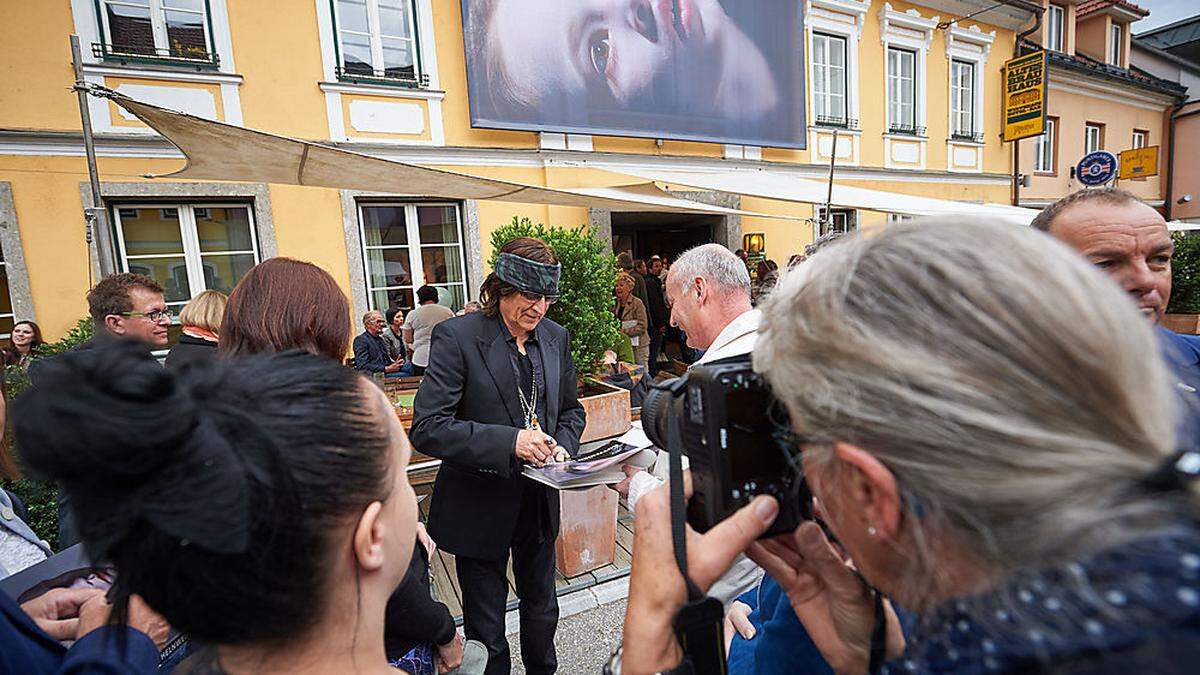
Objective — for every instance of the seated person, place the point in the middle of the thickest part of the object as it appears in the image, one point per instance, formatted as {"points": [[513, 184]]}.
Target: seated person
{"points": [[371, 350], [259, 503]]}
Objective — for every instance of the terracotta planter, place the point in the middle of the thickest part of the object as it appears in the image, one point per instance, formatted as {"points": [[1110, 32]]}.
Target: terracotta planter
{"points": [[587, 537], [1182, 323], [607, 407]]}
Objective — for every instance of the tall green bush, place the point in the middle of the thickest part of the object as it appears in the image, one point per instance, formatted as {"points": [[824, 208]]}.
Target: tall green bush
{"points": [[1185, 274], [585, 302], [40, 497]]}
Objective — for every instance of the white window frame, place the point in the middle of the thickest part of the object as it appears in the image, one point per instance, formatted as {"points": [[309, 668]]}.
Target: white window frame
{"points": [[823, 101], [1088, 146], [1116, 47], [192, 257], [415, 246], [1056, 37], [375, 37], [910, 31], [1043, 148], [897, 80], [843, 220], [958, 92], [158, 25], [1140, 139]]}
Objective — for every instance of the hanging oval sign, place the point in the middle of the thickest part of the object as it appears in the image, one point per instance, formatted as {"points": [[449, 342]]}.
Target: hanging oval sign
{"points": [[1096, 168]]}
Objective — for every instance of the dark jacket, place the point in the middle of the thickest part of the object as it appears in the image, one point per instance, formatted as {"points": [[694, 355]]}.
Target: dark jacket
{"points": [[190, 350], [660, 316], [466, 414], [412, 616], [370, 353], [25, 649]]}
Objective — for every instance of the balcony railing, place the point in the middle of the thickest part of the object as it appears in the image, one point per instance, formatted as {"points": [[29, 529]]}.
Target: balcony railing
{"points": [[392, 78], [848, 123], [968, 136], [192, 57], [906, 130]]}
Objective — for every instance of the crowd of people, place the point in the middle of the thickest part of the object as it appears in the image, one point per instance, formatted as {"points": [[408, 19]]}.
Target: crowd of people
{"points": [[1002, 449]]}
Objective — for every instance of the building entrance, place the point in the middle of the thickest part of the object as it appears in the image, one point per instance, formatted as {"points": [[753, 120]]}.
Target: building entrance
{"points": [[663, 234]]}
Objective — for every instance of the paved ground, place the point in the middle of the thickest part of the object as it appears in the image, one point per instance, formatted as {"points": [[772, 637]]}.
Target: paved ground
{"points": [[584, 640]]}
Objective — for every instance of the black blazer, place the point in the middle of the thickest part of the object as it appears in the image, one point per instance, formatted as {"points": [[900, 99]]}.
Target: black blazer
{"points": [[190, 350], [466, 414], [370, 353]]}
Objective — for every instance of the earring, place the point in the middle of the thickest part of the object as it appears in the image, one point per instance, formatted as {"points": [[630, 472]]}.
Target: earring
{"points": [[871, 531]]}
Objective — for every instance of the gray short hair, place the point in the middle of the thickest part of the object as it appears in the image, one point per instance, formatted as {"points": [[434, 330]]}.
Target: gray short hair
{"points": [[1115, 196], [1014, 390], [715, 264]]}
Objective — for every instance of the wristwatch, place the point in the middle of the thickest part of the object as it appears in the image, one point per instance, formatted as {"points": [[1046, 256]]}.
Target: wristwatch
{"points": [[613, 665]]}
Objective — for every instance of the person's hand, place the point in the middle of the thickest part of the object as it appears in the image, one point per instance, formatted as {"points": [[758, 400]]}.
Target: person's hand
{"points": [[95, 613], [656, 588], [738, 619], [829, 598], [533, 447], [450, 655], [425, 539], [393, 366], [622, 488], [561, 455], [57, 611]]}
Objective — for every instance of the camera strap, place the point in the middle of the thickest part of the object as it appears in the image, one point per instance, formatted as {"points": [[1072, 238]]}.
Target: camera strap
{"points": [[700, 623]]}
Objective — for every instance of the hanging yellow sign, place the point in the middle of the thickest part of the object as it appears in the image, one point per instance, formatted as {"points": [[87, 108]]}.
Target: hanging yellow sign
{"points": [[1139, 163], [1025, 96]]}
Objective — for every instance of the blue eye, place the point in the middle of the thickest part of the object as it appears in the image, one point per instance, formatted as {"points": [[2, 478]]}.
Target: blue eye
{"points": [[600, 52]]}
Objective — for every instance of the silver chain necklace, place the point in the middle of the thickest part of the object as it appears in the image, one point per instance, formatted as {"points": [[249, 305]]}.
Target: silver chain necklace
{"points": [[528, 408]]}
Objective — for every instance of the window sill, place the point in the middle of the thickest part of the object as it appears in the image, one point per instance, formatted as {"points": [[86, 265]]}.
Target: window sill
{"points": [[342, 87], [902, 136], [976, 142]]}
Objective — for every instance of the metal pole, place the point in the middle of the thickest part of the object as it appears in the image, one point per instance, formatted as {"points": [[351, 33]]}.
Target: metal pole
{"points": [[828, 219], [96, 215]]}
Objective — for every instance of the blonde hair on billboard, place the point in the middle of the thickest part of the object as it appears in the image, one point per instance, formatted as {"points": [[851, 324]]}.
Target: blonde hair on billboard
{"points": [[485, 50]]}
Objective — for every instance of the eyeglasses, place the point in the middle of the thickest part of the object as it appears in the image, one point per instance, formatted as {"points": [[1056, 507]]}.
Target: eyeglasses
{"points": [[538, 297], [155, 315]]}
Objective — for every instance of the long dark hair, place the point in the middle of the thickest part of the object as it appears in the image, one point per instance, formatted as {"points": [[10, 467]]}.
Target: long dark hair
{"points": [[493, 288], [216, 491], [284, 304], [11, 355]]}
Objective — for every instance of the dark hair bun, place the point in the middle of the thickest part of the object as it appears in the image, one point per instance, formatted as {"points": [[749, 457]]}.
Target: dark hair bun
{"points": [[106, 417]]}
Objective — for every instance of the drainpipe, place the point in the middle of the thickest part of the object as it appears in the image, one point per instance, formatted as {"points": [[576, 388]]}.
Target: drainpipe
{"points": [[1169, 202], [1016, 170]]}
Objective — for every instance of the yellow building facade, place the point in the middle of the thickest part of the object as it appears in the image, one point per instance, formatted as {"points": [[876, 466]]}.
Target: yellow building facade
{"points": [[294, 68], [1097, 100]]}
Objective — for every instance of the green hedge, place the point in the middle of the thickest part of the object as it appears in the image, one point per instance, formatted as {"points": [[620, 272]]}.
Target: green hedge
{"points": [[40, 497], [1185, 274]]}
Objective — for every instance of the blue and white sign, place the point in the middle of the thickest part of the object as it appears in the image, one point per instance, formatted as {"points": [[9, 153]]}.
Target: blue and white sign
{"points": [[1096, 168]]}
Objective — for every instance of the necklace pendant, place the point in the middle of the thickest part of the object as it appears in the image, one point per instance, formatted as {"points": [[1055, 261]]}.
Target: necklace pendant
{"points": [[533, 422]]}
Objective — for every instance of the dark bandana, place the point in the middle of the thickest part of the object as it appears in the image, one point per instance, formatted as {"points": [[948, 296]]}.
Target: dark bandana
{"points": [[528, 275]]}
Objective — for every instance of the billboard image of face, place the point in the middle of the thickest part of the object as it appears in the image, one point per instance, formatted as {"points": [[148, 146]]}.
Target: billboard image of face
{"points": [[727, 71]]}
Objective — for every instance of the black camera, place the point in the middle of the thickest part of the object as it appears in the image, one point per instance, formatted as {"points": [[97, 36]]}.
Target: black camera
{"points": [[724, 418]]}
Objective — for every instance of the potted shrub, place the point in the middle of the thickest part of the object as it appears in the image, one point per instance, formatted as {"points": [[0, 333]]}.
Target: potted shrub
{"points": [[1183, 313], [584, 308]]}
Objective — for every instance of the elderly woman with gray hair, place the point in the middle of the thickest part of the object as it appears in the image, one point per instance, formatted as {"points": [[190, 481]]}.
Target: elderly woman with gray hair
{"points": [[989, 434]]}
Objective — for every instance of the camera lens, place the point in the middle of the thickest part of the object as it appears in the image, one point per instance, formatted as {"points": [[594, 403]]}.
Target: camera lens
{"points": [[658, 409]]}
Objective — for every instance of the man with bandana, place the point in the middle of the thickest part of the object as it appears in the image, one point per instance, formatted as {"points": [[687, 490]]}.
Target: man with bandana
{"points": [[500, 392]]}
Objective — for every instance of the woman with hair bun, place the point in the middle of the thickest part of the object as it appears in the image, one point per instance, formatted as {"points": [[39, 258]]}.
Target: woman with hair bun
{"points": [[260, 503]]}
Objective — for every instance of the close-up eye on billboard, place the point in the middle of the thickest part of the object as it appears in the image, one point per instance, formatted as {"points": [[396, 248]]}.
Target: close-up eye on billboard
{"points": [[727, 71]]}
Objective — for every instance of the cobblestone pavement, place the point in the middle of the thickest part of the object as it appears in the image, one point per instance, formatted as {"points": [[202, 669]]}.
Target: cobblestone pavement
{"points": [[584, 640]]}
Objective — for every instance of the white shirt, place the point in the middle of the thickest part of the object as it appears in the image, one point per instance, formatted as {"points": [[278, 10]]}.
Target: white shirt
{"points": [[421, 322]]}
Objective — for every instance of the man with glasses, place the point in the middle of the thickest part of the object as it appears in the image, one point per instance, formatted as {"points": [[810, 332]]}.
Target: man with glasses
{"points": [[500, 392], [123, 306]]}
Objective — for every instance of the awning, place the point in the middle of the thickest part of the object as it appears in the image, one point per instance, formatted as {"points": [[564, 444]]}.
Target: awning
{"points": [[219, 151], [773, 185]]}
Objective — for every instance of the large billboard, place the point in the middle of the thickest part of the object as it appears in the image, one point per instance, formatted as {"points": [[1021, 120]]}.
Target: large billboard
{"points": [[728, 71]]}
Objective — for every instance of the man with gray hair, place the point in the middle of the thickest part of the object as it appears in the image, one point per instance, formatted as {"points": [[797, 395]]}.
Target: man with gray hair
{"points": [[708, 290]]}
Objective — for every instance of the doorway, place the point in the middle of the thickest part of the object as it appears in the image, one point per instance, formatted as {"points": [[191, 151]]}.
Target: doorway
{"points": [[663, 234]]}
